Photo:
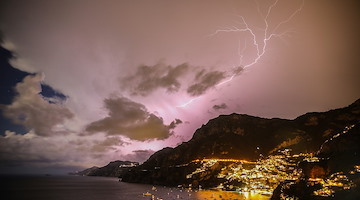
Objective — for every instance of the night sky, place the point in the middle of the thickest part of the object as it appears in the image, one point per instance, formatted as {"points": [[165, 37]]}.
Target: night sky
{"points": [[84, 83]]}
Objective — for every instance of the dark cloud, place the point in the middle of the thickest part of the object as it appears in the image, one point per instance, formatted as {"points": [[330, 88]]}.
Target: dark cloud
{"points": [[237, 70], [147, 79], [132, 120], [220, 107], [139, 155], [150, 78], [204, 81], [31, 110], [174, 123], [108, 143], [199, 74]]}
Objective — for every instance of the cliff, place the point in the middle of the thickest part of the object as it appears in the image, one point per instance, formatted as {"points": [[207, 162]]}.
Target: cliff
{"points": [[113, 169], [336, 173], [242, 137]]}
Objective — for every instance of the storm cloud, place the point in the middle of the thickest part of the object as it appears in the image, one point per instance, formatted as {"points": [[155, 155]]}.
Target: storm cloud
{"points": [[109, 143], [131, 119], [139, 155], [150, 78], [204, 81], [220, 106]]}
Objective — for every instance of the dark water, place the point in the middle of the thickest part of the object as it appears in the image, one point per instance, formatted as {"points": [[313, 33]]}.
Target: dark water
{"points": [[99, 188]]}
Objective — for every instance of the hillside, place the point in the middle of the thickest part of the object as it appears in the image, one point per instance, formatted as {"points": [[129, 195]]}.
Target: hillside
{"points": [[241, 137], [113, 169]]}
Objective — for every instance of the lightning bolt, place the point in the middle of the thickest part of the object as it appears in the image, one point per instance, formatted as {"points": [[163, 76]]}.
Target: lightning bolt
{"points": [[187, 103], [259, 44], [266, 37], [241, 52]]}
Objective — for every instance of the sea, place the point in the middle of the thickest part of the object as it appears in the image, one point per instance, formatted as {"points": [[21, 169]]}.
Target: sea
{"points": [[31, 187]]}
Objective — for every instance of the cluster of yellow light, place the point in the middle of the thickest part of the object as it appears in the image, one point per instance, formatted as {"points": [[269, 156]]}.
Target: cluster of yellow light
{"points": [[129, 165], [346, 130], [284, 197], [312, 159], [209, 162], [223, 160], [357, 168], [206, 164], [324, 192], [335, 181], [265, 175], [261, 176]]}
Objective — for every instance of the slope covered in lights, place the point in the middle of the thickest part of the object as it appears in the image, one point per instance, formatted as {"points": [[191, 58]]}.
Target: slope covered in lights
{"points": [[242, 137]]}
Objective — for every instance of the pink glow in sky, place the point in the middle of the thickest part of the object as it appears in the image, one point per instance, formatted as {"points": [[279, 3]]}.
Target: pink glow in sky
{"points": [[144, 75]]}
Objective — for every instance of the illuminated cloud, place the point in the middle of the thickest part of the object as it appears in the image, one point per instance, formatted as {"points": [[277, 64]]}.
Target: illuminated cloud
{"points": [[204, 81], [22, 64], [6, 43], [131, 119], [34, 112], [38, 153], [17, 148], [220, 107], [150, 78]]}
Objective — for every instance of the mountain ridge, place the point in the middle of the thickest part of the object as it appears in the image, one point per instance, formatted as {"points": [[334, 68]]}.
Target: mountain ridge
{"points": [[112, 169], [241, 136]]}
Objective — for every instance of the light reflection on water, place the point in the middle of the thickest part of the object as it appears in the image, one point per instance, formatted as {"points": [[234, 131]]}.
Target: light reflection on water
{"points": [[171, 193], [100, 188], [209, 194]]}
